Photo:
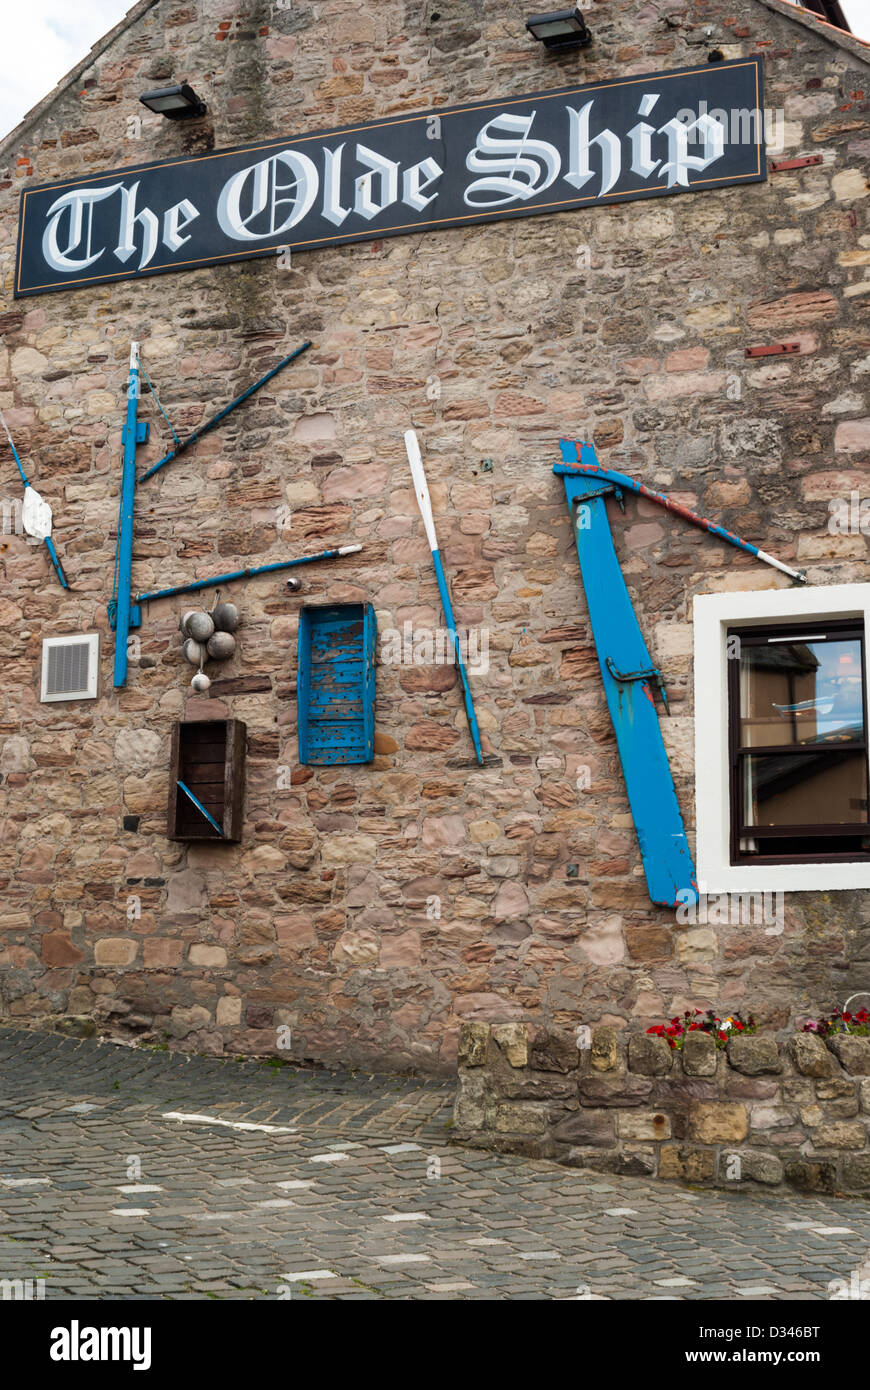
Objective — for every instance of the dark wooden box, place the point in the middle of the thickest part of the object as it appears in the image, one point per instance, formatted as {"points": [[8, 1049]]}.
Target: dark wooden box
{"points": [[209, 757]]}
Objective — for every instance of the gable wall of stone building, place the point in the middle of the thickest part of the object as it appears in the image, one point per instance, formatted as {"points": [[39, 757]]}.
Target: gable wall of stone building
{"points": [[374, 909]]}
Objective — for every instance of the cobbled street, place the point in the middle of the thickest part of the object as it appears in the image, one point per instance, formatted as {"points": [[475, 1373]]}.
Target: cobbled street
{"points": [[132, 1173]]}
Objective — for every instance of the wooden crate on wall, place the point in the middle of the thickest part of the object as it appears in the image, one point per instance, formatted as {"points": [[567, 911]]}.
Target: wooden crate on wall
{"points": [[208, 755]]}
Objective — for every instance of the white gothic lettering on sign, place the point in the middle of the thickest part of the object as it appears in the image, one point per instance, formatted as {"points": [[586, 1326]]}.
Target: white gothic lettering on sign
{"points": [[640, 137]]}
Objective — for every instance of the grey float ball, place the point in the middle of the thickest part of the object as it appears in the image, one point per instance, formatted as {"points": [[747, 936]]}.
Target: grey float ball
{"points": [[221, 646], [199, 624], [226, 617], [194, 651], [200, 683]]}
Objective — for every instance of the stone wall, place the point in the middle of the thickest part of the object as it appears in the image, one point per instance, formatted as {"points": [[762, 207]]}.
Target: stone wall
{"points": [[374, 909], [760, 1111]]}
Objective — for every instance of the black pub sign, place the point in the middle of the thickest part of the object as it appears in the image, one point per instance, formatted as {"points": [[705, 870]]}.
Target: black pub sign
{"points": [[629, 137]]}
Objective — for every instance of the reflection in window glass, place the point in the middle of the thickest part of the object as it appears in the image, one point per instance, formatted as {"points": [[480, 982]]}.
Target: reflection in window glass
{"points": [[824, 788], [801, 692]]}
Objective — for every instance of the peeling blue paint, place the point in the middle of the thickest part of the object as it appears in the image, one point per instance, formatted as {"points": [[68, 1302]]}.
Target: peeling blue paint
{"points": [[336, 684], [627, 672]]}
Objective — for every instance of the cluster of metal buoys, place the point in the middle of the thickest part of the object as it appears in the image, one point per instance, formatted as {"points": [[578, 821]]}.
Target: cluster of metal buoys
{"points": [[208, 637]]}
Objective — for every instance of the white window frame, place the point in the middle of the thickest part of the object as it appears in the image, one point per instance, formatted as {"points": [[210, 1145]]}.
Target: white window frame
{"points": [[713, 614], [93, 667]]}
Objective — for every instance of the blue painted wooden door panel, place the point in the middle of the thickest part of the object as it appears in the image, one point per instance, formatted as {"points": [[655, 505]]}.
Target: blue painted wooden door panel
{"points": [[336, 683], [629, 680]]}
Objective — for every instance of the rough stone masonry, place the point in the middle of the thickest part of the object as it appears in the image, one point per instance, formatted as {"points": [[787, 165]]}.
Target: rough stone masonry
{"points": [[376, 908], [751, 1113]]}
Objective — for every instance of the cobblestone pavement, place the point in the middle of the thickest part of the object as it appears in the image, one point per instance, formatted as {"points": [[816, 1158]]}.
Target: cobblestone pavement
{"points": [[256, 1181]]}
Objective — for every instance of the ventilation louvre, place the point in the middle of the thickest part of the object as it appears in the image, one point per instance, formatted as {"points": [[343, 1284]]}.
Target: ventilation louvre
{"points": [[69, 667]]}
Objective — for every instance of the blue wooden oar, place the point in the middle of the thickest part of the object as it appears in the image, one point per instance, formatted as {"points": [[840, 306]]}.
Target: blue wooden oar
{"points": [[34, 496], [583, 459], [629, 678], [221, 415], [422, 492], [222, 579], [199, 806]]}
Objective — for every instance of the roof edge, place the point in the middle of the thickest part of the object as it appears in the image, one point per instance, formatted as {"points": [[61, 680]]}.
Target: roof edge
{"points": [[99, 48], [858, 48]]}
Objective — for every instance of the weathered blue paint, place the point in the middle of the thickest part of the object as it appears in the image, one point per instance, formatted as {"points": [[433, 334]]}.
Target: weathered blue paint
{"points": [[49, 544], [587, 463], [335, 684], [199, 806], [222, 414], [457, 655], [120, 614], [245, 574], [627, 671]]}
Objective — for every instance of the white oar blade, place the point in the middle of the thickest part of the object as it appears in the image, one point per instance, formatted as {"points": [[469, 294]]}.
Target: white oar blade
{"points": [[421, 487], [35, 515], [778, 565]]}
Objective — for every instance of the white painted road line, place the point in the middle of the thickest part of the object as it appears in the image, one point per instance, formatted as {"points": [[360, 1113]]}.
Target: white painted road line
{"points": [[185, 1117]]}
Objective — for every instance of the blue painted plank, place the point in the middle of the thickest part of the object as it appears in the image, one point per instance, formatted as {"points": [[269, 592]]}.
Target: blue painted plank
{"points": [[336, 684], [122, 599], [622, 652]]}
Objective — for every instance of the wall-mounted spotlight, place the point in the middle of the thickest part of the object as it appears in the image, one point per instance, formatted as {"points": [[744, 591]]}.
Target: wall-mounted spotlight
{"points": [[176, 103], [560, 30]]}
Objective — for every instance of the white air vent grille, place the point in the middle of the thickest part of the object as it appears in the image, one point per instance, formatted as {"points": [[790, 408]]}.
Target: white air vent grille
{"points": [[69, 667]]}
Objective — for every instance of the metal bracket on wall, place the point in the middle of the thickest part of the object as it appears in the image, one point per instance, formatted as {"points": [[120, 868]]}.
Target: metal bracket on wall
{"points": [[649, 673], [780, 166], [774, 350]]}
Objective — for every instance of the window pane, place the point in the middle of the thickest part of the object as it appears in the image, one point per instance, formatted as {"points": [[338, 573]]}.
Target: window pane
{"points": [[824, 788], [801, 693]]}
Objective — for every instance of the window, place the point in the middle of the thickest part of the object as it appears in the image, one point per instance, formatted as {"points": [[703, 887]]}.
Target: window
{"points": [[798, 744], [781, 750], [69, 667]]}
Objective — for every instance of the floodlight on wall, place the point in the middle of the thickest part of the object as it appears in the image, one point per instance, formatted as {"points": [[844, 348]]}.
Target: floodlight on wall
{"points": [[560, 30], [176, 103]]}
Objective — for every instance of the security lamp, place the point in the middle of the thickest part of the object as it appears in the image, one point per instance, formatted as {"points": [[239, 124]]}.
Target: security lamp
{"points": [[176, 103], [560, 30]]}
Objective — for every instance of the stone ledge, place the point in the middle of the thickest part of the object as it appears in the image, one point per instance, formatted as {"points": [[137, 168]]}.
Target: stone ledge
{"points": [[760, 1112]]}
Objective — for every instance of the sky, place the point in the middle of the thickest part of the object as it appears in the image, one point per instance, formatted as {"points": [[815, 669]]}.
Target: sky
{"points": [[43, 39]]}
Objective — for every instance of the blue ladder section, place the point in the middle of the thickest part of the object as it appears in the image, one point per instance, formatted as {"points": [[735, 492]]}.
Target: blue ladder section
{"points": [[629, 679]]}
